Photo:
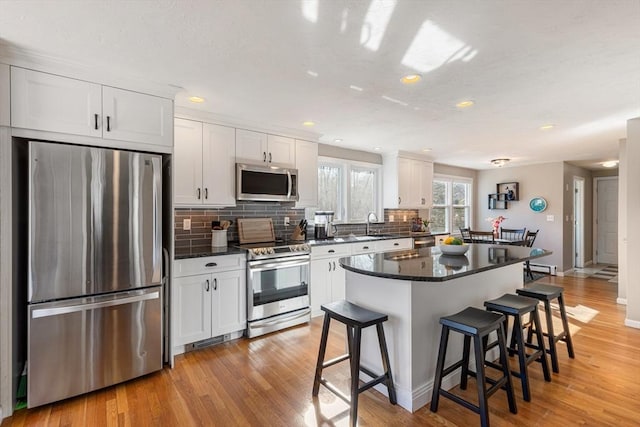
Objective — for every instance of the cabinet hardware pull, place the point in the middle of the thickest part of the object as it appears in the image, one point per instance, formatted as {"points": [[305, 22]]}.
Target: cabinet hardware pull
{"points": [[396, 244], [207, 285], [198, 190], [365, 247], [206, 193], [269, 157], [334, 266], [399, 200], [215, 284], [211, 264], [264, 156], [95, 120], [108, 124], [330, 251], [329, 265]]}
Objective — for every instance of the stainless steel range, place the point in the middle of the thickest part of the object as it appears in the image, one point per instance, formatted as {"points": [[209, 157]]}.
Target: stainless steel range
{"points": [[277, 278]]}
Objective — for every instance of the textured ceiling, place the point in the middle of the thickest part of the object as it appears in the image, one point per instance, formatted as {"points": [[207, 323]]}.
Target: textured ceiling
{"points": [[575, 64]]}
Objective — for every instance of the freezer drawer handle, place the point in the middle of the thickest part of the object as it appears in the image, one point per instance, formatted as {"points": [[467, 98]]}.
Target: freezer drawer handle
{"points": [[45, 312]]}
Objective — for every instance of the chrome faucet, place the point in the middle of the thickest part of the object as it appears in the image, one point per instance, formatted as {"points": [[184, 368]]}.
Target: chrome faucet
{"points": [[375, 219]]}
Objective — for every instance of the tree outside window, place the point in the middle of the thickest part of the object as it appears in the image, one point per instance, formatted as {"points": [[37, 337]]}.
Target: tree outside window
{"points": [[451, 204]]}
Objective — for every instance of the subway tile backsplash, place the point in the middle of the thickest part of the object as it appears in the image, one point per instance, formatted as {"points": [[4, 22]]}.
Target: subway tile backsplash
{"points": [[200, 233]]}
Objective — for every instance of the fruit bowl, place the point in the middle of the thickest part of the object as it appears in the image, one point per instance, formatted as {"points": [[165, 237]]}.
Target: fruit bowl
{"points": [[454, 249]]}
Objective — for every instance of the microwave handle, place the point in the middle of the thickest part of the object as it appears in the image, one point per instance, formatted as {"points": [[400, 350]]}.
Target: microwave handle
{"points": [[290, 184]]}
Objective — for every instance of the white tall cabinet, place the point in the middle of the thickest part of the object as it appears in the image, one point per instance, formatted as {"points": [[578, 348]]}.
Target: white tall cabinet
{"points": [[47, 102], [5, 103], [204, 159], [307, 166], [258, 147], [408, 181]]}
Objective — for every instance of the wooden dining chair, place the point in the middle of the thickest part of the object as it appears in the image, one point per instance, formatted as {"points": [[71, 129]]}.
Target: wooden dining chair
{"points": [[514, 234], [481, 236], [466, 235], [529, 238]]}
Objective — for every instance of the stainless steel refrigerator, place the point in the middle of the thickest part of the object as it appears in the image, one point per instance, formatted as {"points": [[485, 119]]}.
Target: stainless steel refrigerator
{"points": [[95, 269]]}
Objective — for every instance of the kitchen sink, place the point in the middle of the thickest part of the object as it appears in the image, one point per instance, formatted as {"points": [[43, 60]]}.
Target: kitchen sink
{"points": [[362, 238]]}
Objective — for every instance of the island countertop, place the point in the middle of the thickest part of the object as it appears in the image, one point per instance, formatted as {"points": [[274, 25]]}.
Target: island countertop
{"points": [[430, 265]]}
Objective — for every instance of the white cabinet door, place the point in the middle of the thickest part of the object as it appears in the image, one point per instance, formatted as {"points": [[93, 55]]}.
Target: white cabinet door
{"points": [[320, 284], [136, 117], [5, 100], [393, 245], [281, 150], [338, 281], [425, 176], [219, 162], [48, 102], [187, 161], [191, 309], [307, 165], [404, 183], [229, 304], [251, 146]]}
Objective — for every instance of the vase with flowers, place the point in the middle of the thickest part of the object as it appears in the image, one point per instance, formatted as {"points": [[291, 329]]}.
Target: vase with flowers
{"points": [[495, 223]]}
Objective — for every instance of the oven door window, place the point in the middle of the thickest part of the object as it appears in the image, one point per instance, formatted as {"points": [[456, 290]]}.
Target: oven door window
{"points": [[279, 283]]}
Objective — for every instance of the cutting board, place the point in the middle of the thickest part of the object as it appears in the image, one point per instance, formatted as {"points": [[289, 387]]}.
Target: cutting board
{"points": [[255, 230]]}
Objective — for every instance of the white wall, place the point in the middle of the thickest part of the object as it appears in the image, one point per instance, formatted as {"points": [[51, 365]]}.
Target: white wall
{"points": [[543, 180], [629, 264], [623, 278]]}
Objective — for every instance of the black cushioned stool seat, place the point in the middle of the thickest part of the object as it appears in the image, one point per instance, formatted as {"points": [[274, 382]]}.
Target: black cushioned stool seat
{"points": [[518, 306], [477, 324], [546, 294], [355, 318]]}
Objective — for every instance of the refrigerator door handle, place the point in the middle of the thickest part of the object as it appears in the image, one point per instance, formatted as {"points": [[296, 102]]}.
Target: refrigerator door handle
{"points": [[165, 276], [54, 311]]}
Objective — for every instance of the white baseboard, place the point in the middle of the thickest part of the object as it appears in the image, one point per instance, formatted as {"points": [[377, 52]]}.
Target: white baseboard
{"points": [[621, 301], [588, 263], [632, 323]]}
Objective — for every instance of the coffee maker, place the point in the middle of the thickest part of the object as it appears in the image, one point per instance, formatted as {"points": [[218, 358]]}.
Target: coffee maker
{"points": [[323, 225]]}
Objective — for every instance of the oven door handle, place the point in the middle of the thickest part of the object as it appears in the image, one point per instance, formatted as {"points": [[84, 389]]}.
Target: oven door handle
{"points": [[279, 264], [280, 319]]}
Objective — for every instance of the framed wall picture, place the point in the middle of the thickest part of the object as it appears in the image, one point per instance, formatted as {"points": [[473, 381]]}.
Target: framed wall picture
{"points": [[538, 204]]}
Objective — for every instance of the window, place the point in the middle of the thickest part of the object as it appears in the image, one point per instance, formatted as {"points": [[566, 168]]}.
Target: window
{"points": [[348, 188], [451, 204]]}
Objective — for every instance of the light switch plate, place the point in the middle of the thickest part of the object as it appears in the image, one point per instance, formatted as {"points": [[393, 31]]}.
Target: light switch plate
{"points": [[550, 218], [186, 224]]}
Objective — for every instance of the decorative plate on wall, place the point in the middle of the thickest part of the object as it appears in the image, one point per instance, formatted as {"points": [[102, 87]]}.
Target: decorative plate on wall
{"points": [[538, 204]]}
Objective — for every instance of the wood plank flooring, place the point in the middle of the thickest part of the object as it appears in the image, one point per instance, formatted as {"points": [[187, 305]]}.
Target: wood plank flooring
{"points": [[267, 382]]}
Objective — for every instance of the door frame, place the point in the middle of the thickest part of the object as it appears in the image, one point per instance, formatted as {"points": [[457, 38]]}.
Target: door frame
{"points": [[596, 180], [578, 221]]}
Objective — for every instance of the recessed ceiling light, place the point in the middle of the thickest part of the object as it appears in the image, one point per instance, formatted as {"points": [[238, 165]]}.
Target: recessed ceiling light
{"points": [[547, 126], [377, 148], [426, 149], [356, 88], [196, 99], [308, 123], [465, 104], [610, 164], [500, 162], [337, 140], [411, 79], [312, 73]]}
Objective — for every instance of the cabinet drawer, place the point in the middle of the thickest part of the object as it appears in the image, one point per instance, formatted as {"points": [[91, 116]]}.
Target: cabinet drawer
{"points": [[393, 245], [330, 250], [363, 248], [191, 266]]}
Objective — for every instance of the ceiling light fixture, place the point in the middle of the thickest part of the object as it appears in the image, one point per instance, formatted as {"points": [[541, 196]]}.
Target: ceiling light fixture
{"points": [[465, 104], [547, 126], [410, 79], [377, 148], [196, 99], [356, 88], [499, 162], [610, 164], [426, 149], [308, 123], [338, 140]]}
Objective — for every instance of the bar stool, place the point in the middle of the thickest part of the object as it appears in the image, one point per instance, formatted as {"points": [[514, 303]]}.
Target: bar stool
{"points": [[355, 318], [546, 294], [477, 324], [519, 306]]}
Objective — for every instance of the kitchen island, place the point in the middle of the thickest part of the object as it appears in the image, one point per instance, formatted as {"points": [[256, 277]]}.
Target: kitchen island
{"points": [[417, 287]]}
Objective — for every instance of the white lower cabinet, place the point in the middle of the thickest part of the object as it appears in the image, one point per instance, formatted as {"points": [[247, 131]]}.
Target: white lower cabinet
{"points": [[208, 299]]}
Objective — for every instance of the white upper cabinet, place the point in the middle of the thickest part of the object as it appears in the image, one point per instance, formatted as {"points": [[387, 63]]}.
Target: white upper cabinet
{"points": [[132, 116], [407, 182], [257, 147], [218, 165], [307, 165], [204, 164], [48, 102], [5, 103]]}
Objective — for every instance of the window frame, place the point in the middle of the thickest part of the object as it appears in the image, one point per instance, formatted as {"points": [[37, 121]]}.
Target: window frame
{"points": [[449, 207], [346, 166]]}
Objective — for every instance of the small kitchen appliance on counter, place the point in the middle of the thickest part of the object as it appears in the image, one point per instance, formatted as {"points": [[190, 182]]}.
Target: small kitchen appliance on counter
{"points": [[323, 225]]}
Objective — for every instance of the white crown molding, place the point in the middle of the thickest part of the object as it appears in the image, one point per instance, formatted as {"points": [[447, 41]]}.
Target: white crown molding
{"points": [[219, 119], [40, 61]]}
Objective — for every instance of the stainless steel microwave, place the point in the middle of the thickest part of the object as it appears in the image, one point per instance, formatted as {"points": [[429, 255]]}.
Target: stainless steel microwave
{"points": [[266, 183]]}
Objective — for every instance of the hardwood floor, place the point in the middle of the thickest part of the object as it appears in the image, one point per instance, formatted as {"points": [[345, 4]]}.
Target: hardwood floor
{"points": [[267, 382]]}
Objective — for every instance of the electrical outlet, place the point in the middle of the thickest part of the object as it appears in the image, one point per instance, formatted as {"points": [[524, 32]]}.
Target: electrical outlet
{"points": [[287, 220], [186, 224], [392, 218]]}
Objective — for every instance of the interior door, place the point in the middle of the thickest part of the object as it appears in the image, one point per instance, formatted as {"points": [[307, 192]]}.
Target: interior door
{"points": [[607, 220]]}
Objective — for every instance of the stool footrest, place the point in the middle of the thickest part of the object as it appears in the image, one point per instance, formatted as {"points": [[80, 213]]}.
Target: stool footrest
{"points": [[335, 390], [335, 360], [451, 368], [460, 401]]}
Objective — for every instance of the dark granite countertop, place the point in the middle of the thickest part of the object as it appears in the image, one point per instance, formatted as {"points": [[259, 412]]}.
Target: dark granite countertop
{"points": [[355, 239], [429, 265], [204, 251]]}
